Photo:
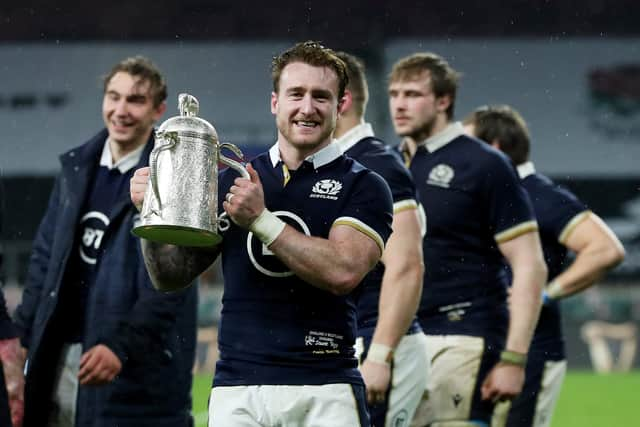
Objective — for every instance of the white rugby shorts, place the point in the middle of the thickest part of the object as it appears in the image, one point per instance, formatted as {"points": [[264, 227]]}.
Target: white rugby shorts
{"points": [[329, 405], [408, 378], [66, 384], [454, 363]]}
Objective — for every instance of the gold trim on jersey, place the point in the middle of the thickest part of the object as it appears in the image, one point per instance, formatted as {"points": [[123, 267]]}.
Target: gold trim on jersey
{"points": [[571, 225], [516, 231], [404, 205], [286, 175], [406, 156], [361, 227]]}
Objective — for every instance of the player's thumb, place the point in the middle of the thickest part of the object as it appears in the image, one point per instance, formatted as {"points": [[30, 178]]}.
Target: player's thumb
{"points": [[487, 390], [145, 171], [255, 178]]}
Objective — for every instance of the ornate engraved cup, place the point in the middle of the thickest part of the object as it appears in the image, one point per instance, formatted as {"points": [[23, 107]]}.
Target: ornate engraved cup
{"points": [[181, 203]]}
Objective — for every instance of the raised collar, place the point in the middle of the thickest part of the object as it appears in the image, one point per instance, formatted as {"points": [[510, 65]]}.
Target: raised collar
{"points": [[124, 164], [525, 169], [439, 140], [354, 135], [318, 159]]}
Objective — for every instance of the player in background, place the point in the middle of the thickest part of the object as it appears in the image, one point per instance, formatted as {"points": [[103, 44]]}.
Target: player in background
{"points": [[565, 224], [104, 347], [390, 341], [307, 227], [478, 215]]}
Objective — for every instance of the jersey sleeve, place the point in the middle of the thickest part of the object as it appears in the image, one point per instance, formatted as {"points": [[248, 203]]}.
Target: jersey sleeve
{"points": [[510, 210], [403, 190], [370, 208], [566, 212]]}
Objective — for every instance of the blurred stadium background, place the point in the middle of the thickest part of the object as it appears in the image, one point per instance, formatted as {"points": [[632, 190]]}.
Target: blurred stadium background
{"points": [[572, 70]]}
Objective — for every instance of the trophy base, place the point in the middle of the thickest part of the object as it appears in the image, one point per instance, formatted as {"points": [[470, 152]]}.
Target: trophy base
{"points": [[177, 235]]}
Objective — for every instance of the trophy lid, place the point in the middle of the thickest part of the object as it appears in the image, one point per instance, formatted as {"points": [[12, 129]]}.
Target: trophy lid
{"points": [[188, 121]]}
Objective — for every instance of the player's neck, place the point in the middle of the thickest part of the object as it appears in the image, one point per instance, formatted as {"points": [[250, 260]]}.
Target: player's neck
{"points": [[345, 123], [440, 124], [293, 156], [121, 149]]}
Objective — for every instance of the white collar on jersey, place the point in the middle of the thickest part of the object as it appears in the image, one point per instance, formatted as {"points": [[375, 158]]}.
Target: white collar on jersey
{"points": [[525, 169], [124, 164], [319, 158], [439, 140], [354, 135]]}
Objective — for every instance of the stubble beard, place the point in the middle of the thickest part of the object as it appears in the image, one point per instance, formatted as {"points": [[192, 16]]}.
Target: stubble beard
{"points": [[421, 132]]}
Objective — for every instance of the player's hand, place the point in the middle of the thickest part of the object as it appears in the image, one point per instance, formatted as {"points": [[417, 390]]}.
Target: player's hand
{"points": [[13, 358], [376, 378], [138, 186], [99, 366], [504, 382], [245, 200]]}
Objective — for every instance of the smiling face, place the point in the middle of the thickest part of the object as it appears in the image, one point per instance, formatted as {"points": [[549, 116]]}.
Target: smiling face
{"points": [[306, 106], [415, 110], [128, 110]]}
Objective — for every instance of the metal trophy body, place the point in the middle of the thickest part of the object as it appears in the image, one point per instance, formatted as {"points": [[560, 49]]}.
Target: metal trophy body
{"points": [[181, 203]]}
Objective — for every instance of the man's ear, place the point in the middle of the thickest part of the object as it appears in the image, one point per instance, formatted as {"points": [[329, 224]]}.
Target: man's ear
{"points": [[159, 110], [274, 102], [495, 143], [345, 103], [442, 103]]}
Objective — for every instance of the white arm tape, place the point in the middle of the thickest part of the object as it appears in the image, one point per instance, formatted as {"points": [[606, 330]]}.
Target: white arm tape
{"points": [[267, 227], [380, 353], [554, 290]]}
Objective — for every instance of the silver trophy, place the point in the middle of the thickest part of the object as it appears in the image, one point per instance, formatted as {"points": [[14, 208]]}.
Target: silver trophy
{"points": [[181, 203]]}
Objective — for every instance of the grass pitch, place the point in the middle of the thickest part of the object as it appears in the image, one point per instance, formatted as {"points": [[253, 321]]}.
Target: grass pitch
{"points": [[599, 400], [586, 400]]}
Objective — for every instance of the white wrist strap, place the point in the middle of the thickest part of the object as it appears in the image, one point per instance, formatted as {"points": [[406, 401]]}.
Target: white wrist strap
{"points": [[267, 227], [554, 290], [380, 353]]}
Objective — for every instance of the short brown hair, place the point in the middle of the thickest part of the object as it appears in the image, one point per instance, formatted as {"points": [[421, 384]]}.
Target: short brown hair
{"points": [[146, 71], [357, 82], [314, 54], [444, 79], [505, 125]]}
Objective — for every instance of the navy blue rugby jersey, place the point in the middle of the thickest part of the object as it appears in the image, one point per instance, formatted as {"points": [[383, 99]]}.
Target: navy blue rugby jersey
{"points": [[360, 144], [558, 212], [109, 184], [473, 201], [275, 328]]}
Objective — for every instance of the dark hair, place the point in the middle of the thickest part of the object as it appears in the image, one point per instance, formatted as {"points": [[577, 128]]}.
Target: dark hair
{"points": [[357, 82], [314, 54], [444, 79], [505, 125], [146, 71]]}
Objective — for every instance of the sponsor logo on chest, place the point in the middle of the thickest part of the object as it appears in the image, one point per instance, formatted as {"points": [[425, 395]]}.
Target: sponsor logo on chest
{"points": [[93, 225], [326, 189]]}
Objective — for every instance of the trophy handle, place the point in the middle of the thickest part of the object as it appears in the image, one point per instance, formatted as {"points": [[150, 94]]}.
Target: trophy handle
{"points": [[171, 139], [233, 164], [223, 220]]}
